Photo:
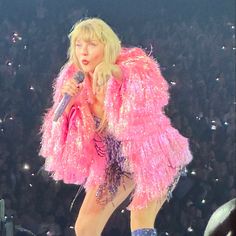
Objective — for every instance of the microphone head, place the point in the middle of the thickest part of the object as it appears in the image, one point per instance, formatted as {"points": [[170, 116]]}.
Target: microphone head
{"points": [[79, 77]]}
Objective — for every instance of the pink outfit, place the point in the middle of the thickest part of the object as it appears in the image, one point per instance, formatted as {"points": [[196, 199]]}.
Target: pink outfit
{"points": [[155, 151]]}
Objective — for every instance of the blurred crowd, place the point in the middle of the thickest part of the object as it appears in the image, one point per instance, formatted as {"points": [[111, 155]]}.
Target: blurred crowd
{"points": [[196, 56]]}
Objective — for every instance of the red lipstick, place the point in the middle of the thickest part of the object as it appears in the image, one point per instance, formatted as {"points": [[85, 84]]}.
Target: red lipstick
{"points": [[85, 62]]}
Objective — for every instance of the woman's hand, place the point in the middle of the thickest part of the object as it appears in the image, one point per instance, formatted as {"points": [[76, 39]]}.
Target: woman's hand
{"points": [[71, 87], [103, 73]]}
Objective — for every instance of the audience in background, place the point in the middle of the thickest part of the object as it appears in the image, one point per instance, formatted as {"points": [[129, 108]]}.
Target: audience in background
{"points": [[196, 55]]}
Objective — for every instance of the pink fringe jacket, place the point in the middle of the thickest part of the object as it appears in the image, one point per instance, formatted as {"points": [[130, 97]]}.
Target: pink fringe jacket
{"points": [[156, 151]]}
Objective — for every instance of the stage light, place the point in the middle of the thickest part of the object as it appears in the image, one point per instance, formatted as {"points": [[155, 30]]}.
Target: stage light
{"points": [[173, 83], [31, 87], [190, 229], [203, 201], [15, 37], [122, 211], [213, 127], [193, 172], [26, 166]]}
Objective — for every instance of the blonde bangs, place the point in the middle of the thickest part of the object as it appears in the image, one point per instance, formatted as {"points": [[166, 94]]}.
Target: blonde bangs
{"points": [[87, 33]]}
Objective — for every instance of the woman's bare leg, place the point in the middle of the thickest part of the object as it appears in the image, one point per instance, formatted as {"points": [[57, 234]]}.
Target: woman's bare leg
{"points": [[93, 217], [145, 218]]}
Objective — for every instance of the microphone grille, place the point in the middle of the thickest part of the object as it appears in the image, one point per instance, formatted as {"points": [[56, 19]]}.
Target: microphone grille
{"points": [[79, 77]]}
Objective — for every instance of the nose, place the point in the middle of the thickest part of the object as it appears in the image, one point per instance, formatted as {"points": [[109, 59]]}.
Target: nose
{"points": [[84, 50]]}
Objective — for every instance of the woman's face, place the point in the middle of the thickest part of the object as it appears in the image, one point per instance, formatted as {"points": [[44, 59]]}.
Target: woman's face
{"points": [[89, 54]]}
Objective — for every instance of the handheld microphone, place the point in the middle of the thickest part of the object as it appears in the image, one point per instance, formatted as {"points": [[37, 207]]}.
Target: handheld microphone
{"points": [[79, 77]]}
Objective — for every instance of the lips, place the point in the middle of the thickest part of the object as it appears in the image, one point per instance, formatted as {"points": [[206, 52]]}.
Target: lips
{"points": [[85, 62]]}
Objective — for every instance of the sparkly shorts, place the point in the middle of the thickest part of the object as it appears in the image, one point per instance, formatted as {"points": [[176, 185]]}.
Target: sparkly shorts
{"points": [[118, 167]]}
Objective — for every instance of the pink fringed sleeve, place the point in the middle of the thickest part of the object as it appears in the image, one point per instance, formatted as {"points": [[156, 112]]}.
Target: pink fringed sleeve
{"points": [[141, 96], [156, 151], [67, 144], [49, 129]]}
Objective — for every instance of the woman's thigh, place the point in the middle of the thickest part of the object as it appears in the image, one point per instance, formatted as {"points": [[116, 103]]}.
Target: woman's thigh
{"points": [[94, 214]]}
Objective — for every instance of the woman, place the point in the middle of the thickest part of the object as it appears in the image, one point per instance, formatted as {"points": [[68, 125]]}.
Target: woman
{"points": [[113, 138]]}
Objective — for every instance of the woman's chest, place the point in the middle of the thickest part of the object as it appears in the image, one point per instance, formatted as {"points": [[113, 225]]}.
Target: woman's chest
{"points": [[97, 107]]}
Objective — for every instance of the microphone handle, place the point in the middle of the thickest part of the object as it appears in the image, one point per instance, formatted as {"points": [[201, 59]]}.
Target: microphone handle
{"points": [[79, 77], [62, 106]]}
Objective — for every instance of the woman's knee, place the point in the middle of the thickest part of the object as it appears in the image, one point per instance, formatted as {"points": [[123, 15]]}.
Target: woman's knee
{"points": [[90, 218], [88, 226], [86, 231], [145, 217]]}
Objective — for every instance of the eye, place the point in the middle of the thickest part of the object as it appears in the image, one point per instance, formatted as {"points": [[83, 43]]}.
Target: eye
{"points": [[93, 44], [78, 45]]}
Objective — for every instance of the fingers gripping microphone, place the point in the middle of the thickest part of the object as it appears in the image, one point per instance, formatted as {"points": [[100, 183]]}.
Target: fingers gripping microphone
{"points": [[79, 77]]}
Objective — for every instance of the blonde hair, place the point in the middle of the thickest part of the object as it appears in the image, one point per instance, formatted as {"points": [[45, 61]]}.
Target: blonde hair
{"points": [[95, 28]]}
